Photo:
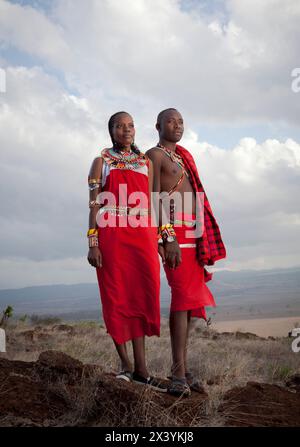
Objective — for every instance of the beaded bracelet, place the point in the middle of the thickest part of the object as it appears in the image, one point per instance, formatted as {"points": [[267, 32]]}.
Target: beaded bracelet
{"points": [[94, 203], [92, 232], [93, 241], [167, 231], [92, 235]]}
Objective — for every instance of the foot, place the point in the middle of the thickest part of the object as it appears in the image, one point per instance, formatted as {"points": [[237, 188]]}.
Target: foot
{"points": [[194, 384], [149, 381], [124, 375], [179, 387]]}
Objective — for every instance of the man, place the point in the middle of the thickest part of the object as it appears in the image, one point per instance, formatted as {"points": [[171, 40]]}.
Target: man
{"points": [[184, 252]]}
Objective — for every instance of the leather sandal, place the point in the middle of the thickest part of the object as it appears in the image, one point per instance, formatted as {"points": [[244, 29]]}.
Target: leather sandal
{"points": [[194, 384], [179, 387]]}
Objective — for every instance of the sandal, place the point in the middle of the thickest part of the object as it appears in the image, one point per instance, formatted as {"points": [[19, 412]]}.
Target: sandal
{"points": [[125, 375], [179, 387], [194, 384]]}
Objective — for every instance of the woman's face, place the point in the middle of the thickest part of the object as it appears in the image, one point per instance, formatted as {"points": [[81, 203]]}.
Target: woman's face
{"points": [[123, 130]]}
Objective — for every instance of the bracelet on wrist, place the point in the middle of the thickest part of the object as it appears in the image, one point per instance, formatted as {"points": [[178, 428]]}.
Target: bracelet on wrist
{"points": [[167, 233], [92, 232], [92, 235]]}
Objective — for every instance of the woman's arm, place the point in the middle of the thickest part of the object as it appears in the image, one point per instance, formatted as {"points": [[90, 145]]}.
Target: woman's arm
{"points": [[95, 177]]}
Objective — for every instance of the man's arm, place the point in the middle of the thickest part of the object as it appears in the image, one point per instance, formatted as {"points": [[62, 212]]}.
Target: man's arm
{"points": [[94, 255], [170, 251]]}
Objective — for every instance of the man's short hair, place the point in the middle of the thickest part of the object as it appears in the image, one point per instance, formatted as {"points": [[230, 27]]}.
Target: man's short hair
{"points": [[161, 114]]}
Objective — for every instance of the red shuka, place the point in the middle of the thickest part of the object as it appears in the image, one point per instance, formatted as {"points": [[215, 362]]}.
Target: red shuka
{"points": [[129, 279], [210, 247], [188, 288]]}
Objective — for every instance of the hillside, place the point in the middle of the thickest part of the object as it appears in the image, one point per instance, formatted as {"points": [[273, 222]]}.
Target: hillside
{"points": [[239, 295], [63, 375]]}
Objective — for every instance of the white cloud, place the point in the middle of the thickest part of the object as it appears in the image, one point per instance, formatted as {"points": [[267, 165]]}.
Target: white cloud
{"points": [[150, 54], [253, 189], [142, 57], [30, 31]]}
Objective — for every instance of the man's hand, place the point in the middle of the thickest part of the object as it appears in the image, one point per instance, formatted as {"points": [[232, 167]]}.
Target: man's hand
{"points": [[172, 254], [95, 257]]}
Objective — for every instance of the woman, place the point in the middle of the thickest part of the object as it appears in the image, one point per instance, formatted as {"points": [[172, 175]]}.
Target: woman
{"points": [[123, 252]]}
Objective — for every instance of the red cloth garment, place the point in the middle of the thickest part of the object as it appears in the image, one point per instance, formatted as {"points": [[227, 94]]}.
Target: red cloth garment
{"points": [[210, 246], [129, 279], [187, 282]]}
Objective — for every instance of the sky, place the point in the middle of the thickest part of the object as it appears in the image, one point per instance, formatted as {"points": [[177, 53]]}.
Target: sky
{"points": [[67, 65]]}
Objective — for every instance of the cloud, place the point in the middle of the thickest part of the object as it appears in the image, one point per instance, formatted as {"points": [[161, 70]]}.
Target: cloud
{"points": [[31, 31], [48, 141], [233, 69], [152, 54], [253, 189]]}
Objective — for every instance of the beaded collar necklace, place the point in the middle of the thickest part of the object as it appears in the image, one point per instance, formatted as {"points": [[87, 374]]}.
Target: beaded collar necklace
{"points": [[123, 159], [173, 156]]}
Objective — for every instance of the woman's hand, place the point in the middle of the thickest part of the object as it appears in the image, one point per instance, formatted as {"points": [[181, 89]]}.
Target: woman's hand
{"points": [[95, 257]]}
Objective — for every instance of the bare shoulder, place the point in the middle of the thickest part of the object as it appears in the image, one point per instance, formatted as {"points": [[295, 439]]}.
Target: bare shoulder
{"points": [[155, 154], [96, 167], [98, 161]]}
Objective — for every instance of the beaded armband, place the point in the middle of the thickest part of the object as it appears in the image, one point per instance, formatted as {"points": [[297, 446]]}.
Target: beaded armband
{"points": [[92, 236], [94, 203], [94, 183]]}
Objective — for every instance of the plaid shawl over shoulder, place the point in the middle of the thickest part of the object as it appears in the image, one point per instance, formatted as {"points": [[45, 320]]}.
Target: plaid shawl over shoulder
{"points": [[210, 247]]}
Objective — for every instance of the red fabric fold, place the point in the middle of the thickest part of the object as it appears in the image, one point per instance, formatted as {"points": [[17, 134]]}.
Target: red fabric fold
{"points": [[210, 247], [188, 289]]}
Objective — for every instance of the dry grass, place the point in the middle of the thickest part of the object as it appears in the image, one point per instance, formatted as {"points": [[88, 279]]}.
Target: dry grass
{"points": [[224, 362]]}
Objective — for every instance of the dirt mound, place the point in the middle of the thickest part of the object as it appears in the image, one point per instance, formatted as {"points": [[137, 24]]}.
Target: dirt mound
{"points": [[261, 404], [60, 390]]}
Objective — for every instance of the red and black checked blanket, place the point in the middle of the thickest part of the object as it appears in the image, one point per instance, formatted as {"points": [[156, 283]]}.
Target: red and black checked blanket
{"points": [[210, 246]]}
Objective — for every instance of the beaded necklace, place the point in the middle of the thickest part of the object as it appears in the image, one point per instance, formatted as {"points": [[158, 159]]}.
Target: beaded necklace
{"points": [[123, 159], [174, 157]]}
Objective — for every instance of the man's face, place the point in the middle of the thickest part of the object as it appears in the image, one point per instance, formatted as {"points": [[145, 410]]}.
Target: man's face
{"points": [[171, 126]]}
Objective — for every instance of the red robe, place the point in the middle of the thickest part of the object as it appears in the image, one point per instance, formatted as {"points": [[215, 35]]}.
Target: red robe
{"points": [[188, 285], [187, 282], [129, 279]]}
